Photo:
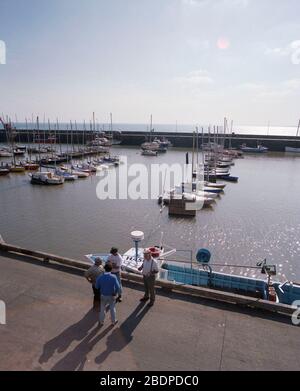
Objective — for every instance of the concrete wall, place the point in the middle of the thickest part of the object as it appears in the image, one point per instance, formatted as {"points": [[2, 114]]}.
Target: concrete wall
{"points": [[184, 140]]}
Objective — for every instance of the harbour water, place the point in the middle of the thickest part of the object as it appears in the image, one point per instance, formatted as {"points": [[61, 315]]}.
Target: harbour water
{"points": [[256, 218]]}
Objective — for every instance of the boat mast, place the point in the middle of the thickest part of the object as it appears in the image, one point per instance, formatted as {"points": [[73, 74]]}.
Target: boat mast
{"points": [[76, 130], [111, 126], [44, 126], [27, 132], [94, 123], [83, 140], [230, 138], [38, 132], [193, 156], [55, 146], [12, 142], [71, 130], [227, 128], [298, 130], [49, 129], [151, 125], [197, 147], [18, 133], [59, 141]]}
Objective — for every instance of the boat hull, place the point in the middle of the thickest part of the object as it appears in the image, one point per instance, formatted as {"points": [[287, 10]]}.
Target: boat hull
{"points": [[17, 169], [292, 150]]}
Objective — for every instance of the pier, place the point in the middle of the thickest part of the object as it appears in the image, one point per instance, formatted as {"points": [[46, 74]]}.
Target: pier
{"points": [[180, 140], [51, 324]]}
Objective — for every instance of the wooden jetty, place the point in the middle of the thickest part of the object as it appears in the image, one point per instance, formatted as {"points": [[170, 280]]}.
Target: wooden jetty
{"points": [[180, 208]]}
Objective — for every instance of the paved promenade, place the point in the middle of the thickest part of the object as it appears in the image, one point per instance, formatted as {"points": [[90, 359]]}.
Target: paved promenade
{"points": [[51, 326]]}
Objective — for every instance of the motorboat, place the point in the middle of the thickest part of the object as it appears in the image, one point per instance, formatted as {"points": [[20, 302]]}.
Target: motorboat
{"points": [[258, 149]]}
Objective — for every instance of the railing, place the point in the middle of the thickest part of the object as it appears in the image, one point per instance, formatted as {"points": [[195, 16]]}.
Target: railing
{"points": [[200, 292]]}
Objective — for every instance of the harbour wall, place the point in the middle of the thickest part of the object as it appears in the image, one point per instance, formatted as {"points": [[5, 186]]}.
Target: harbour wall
{"points": [[180, 140]]}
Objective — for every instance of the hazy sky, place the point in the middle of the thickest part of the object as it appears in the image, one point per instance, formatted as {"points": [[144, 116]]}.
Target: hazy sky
{"points": [[185, 60]]}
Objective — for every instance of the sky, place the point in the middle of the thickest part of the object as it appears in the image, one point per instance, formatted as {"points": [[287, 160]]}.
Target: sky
{"points": [[190, 61]]}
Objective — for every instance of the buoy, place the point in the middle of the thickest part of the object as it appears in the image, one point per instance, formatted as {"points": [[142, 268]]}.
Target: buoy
{"points": [[155, 252], [203, 256], [272, 294]]}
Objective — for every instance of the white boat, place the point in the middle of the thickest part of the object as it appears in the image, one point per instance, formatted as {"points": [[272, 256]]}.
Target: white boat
{"points": [[258, 149], [150, 146], [292, 150], [133, 258], [80, 174], [19, 152], [89, 168], [199, 201], [201, 273], [199, 192], [5, 154], [100, 142], [149, 152], [4, 171], [46, 178], [68, 177], [217, 185]]}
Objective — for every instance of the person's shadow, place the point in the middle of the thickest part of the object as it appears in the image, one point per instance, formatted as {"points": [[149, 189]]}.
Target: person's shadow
{"points": [[76, 332], [122, 336], [76, 359]]}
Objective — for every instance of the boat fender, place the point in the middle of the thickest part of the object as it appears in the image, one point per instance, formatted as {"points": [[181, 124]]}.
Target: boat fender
{"points": [[272, 294], [203, 256], [154, 252]]}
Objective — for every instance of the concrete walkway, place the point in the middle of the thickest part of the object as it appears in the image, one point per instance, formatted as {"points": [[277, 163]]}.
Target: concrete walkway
{"points": [[51, 326]]}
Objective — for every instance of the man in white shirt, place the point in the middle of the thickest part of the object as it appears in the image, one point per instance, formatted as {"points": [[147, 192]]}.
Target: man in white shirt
{"points": [[150, 270], [116, 260]]}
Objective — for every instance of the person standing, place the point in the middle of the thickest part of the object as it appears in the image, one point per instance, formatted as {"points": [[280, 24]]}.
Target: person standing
{"points": [[116, 261], [150, 271], [109, 287], [92, 274]]}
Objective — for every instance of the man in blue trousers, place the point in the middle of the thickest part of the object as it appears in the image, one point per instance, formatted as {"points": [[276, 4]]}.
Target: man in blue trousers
{"points": [[109, 288]]}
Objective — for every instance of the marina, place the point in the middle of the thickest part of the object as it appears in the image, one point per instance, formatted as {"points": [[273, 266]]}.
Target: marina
{"points": [[241, 227], [275, 143], [149, 190]]}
